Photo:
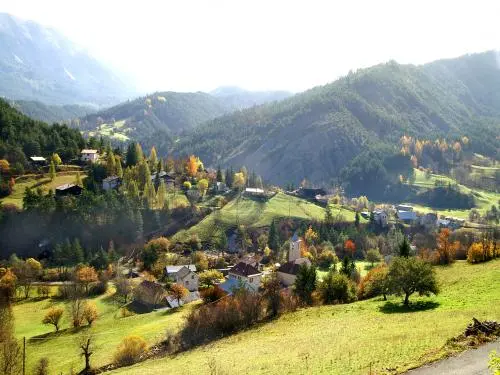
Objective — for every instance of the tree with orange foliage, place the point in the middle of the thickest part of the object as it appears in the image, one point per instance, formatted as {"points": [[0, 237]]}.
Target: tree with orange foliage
{"points": [[445, 248], [350, 247], [86, 276], [310, 236], [192, 165]]}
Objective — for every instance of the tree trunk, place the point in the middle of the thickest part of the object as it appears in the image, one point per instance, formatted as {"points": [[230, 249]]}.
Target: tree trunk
{"points": [[407, 299], [385, 297]]}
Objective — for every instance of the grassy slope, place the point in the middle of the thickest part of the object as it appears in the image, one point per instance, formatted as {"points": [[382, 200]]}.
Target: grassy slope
{"points": [[17, 195], [109, 330], [345, 339], [254, 213], [484, 199]]}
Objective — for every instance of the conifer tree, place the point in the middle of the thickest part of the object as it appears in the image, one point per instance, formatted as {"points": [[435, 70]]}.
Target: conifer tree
{"points": [[144, 175], [119, 169], [219, 177], [404, 248], [161, 194], [273, 240], [52, 171], [153, 159], [77, 252]]}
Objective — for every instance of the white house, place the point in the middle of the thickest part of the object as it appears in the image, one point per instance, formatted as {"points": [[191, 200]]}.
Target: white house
{"points": [[244, 275], [89, 155], [184, 275], [287, 272]]}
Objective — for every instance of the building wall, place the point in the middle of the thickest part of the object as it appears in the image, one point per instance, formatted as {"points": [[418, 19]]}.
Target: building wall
{"points": [[294, 252], [254, 281], [191, 282]]}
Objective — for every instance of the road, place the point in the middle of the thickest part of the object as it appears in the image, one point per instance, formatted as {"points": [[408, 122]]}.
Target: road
{"points": [[470, 362]]}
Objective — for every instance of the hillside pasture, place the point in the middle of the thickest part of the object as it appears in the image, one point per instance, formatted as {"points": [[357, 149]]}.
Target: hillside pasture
{"points": [[350, 339]]}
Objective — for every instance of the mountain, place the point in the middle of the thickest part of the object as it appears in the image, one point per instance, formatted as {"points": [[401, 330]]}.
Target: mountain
{"points": [[38, 63], [166, 112], [52, 113], [171, 112], [236, 98], [357, 121]]}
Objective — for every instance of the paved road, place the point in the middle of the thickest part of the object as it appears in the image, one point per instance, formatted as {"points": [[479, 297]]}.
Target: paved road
{"points": [[470, 362]]}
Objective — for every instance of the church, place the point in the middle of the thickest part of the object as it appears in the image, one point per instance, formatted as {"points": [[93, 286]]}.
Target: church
{"points": [[287, 272]]}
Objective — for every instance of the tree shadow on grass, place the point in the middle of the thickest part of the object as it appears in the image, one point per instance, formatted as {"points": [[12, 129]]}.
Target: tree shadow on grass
{"points": [[38, 339], [397, 308]]}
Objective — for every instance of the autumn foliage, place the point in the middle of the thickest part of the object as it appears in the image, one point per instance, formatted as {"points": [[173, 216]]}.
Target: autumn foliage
{"points": [[446, 249], [350, 247], [482, 251]]}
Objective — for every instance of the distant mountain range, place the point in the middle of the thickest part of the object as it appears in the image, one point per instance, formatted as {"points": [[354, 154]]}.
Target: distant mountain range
{"points": [[38, 63]]}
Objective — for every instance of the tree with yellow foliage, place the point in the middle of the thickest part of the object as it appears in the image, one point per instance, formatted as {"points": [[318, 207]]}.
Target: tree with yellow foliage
{"points": [[192, 165], [445, 248]]}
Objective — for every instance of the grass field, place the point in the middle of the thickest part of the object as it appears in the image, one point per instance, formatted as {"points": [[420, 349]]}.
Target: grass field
{"points": [[115, 131], [255, 213], [484, 199], [17, 194], [346, 339], [61, 348]]}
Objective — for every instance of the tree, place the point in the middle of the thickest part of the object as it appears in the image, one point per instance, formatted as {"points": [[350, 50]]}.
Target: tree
{"points": [[161, 194], [336, 288], [219, 177], [149, 256], [123, 288], [348, 266], [272, 292], [186, 185], [274, 241], [209, 278], [192, 166], [27, 272], [404, 248], [412, 275], [76, 307], [373, 256], [356, 220], [445, 248], [328, 215], [110, 163], [305, 283], [78, 179], [326, 259], [86, 352], [131, 157], [310, 236], [42, 367], [90, 312], [4, 166], [153, 159], [144, 175], [375, 283], [85, 276], [349, 247], [130, 350], [56, 159], [178, 292], [202, 186], [53, 316], [52, 171], [200, 259], [239, 180]]}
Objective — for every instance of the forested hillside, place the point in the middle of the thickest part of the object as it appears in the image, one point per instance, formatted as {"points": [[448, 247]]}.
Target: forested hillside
{"points": [[238, 98], [52, 113], [22, 137], [318, 133]]}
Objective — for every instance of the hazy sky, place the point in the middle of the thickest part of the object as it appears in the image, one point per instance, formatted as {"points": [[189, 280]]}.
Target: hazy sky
{"points": [[189, 45]]}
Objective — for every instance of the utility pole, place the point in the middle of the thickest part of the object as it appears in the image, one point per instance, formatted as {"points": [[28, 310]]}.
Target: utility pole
{"points": [[24, 355]]}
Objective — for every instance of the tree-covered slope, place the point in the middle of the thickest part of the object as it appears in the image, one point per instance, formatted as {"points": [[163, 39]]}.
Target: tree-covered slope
{"points": [[317, 133], [52, 113], [237, 98]]}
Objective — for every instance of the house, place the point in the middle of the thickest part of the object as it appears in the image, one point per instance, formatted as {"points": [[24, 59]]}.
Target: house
{"points": [[38, 161], [173, 303], [88, 155], [309, 193], [380, 217], [184, 275], [242, 275], [287, 272], [111, 182], [255, 192], [430, 219], [404, 207], [149, 293], [407, 216], [169, 179], [220, 187], [68, 189]]}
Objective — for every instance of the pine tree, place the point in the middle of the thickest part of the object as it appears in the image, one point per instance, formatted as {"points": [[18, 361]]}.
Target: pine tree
{"points": [[144, 175], [404, 248], [133, 192], [328, 214], [132, 157], [273, 240], [153, 159], [138, 151], [139, 225], [161, 194], [219, 177], [52, 171], [149, 195], [110, 163], [77, 252], [356, 220], [119, 169]]}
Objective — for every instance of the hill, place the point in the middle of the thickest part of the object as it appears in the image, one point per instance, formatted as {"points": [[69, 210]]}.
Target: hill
{"points": [[327, 339], [38, 63], [52, 113], [318, 133]]}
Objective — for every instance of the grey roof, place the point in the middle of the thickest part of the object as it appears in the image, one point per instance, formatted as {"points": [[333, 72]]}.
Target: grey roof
{"points": [[407, 215], [175, 269], [65, 186], [295, 237], [183, 272]]}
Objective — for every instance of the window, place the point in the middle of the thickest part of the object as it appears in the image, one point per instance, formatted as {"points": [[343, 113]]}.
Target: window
{"points": [[251, 279], [192, 277]]}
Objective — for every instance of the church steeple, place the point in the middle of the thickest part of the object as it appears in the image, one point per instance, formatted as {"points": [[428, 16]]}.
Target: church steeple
{"points": [[294, 252]]}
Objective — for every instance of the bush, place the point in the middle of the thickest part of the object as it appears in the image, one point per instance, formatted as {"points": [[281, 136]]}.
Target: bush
{"points": [[482, 251], [336, 288], [130, 351], [208, 278], [43, 291], [375, 283], [98, 289], [90, 312], [212, 294], [326, 259], [42, 367]]}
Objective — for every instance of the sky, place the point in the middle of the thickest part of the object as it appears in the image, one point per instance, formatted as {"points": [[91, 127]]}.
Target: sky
{"points": [[198, 45]]}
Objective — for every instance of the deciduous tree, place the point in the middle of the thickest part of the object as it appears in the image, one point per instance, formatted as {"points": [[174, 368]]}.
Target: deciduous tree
{"points": [[178, 292], [53, 316]]}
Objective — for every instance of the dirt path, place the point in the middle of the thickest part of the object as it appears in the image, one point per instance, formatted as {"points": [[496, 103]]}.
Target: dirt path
{"points": [[470, 362]]}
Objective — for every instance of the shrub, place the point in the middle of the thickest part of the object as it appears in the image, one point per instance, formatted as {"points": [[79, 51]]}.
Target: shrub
{"points": [[375, 283], [53, 316], [336, 288], [43, 291], [210, 277], [212, 294], [98, 289], [76, 308], [305, 283], [42, 367], [373, 256], [130, 351], [326, 259]]}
